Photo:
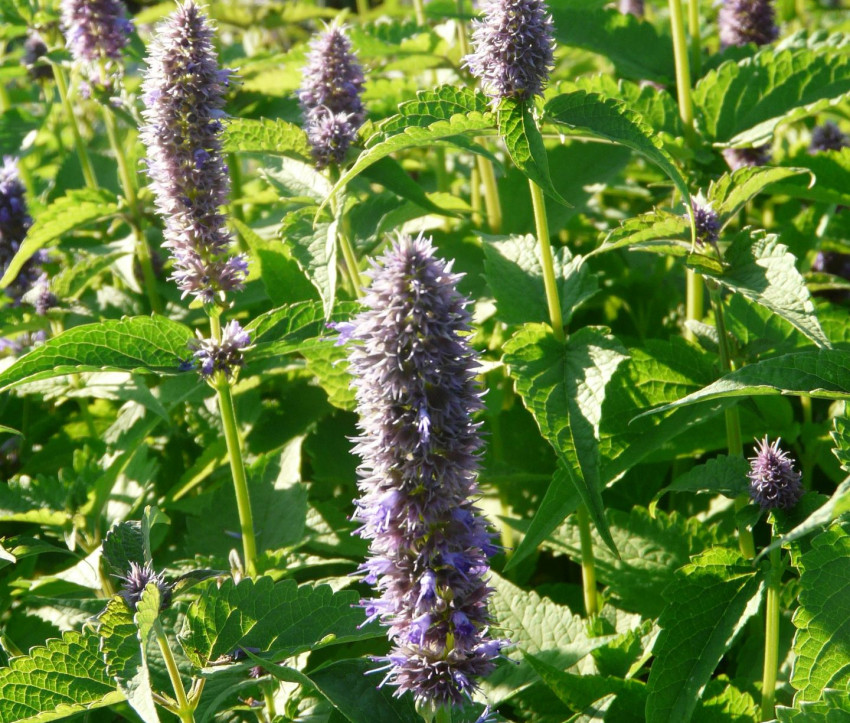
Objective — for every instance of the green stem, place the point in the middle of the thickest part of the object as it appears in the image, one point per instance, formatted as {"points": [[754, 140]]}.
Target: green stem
{"points": [[362, 8], [236, 194], [475, 192], [463, 41], [683, 72], [443, 715], [349, 257], [694, 300], [771, 636], [693, 32], [549, 282], [237, 464], [143, 251], [491, 194], [268, 696], [184, 708], [734, 439], [588, 564], [419, 12], [82, 153]]}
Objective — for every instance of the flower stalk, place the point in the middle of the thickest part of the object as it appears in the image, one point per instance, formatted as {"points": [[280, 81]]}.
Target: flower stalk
{"points": [[79, 145], [771, 634], [184, 710]]}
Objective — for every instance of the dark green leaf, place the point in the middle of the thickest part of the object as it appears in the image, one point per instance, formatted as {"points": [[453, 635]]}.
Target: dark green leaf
{"points": [[721, 475]]}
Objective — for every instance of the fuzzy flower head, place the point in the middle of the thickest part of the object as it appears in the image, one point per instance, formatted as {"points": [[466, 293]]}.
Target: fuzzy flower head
{"points": [[706, 220], [330, 96], [184, 97], [514, 49], [828, 137], [774, 483], [414, 376], [747, 21], [34, 50], [632, 7], [14, 224], [96, 31], [211, 356], [138, 577], [746, 157]]}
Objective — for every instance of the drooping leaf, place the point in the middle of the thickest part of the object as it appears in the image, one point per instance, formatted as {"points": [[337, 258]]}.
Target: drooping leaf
{"points": [[712, 599], [132, 344], [563, 386], [514, 272], [281, 618], [54, 681], [823, 618], [74, 210], [732, 191], [272, 136]]}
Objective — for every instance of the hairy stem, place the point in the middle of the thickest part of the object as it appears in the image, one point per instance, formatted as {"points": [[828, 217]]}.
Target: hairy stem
{"points": [[694, 300], [185, 710], [82, 152], [475, 193], [771, 636]]}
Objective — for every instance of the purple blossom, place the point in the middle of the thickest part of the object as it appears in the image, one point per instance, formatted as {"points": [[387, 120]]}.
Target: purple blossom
{"points": [[632, 7], [184, 96], [138, 577], [828, 137], [330, 96], [706, 220], [34, 50], [774, 483], [212, 356], [95, 31], [747, 21], [14, 224], [429, 544], [746, 157], [514, 49]]}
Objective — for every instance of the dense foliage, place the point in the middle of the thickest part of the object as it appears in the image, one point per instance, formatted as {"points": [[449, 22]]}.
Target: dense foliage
{"points": [[429, 361]]}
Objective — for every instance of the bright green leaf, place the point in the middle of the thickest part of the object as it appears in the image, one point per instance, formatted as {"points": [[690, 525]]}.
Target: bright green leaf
{"points": [[272, 136], [721, 475], [314, 247]]}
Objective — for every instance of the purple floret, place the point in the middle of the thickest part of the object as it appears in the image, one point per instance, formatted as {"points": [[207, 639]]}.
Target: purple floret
{"points": [[747, 21], [95, 31], [414, 376], [211, 356], [774, 483], [746, 157], [138, 577], [184, 96], [514, 49], [828, 137]]}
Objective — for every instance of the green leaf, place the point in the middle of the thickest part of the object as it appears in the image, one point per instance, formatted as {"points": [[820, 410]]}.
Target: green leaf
{"points": [[612, 120], [39, 500], [548, 631], [314, 247], [122, 545], [824, 374], [763, 270], [275, 137], [296, 181], [563, 386], [15, 125], [54, 681], [328, 362], [721, 475], [841, 437], [658, 231], [281, 618], [8, 430], [441, 103], [731, 192], [123, 646], [132, 344], [390, 174], [823, 618], [596, 712], [832, 708], [709, 604], [74, 210], [514, 272], [524, 144], [73, 280], [831, 172], [741, 103]]}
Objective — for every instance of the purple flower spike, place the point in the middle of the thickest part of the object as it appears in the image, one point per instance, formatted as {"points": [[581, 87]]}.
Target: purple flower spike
{"points": [[14, 224], [514, 49], [706, 220], [743, 157], [212, 356], [138, 577], [828, 137], [330, 97], [184, 96], [96, 30], [774, 483], [747, 21], [429, 543]]}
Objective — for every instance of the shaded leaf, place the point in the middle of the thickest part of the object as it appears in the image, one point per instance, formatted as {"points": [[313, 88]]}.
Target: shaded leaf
{"points": [[721, 475]]}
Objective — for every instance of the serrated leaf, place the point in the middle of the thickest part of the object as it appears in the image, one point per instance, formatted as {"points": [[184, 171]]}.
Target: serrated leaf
{"points": [[824, 374], [538, 626], [281, 618], [610, 119], [596, 712], [441, 103], [832, 708], [712, 599], [658, 231], [329, 363], [272, 136], [741, 103], [841, 438], [122, 545], [831, 172], [54, 681], [314, 247], [721, 475], [524, 144], [74, 210], [296, 180], [514, 272], [73, 280], [823, 618], [563, 386], [731, 192], [132, 344]]}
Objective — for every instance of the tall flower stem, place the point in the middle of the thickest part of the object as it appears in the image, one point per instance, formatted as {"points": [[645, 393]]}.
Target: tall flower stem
{"points": [[771, 636], [475, 193], [184, 711], [683, 71], [419, 12], [588, 564], [734, 439], [693, 32], [349, 256], [362, 8], [491, 194], [82, 153], [694, 299], [143, 251], [237, 464]]}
